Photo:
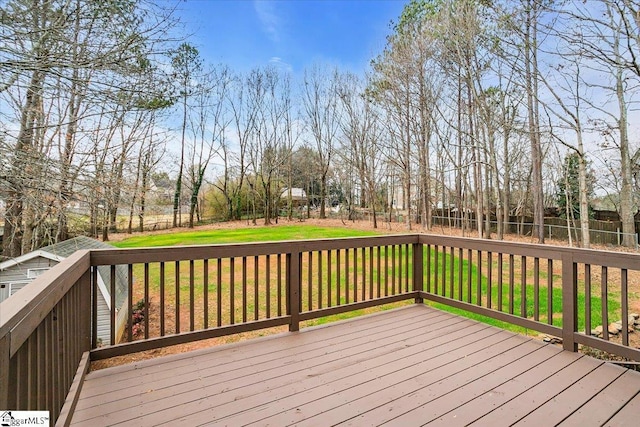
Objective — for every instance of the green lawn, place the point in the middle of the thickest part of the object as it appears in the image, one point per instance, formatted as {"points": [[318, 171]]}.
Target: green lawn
{"points": [[253, 292], [513, 301], [240, 235]]}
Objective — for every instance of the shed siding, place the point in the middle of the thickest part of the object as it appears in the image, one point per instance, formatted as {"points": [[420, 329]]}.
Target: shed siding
{"points": [[18, 273], [17, 276]]}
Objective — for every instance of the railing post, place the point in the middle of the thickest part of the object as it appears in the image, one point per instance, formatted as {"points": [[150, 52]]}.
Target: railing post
{"points": [[293, 289], [418, 272], [569, 302]]}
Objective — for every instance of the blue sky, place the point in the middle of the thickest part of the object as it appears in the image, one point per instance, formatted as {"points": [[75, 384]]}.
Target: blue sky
{"points": [[292, 34]]}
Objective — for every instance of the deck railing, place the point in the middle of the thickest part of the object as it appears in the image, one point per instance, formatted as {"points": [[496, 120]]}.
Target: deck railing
{"points": [[182, 294], [194, 293]]}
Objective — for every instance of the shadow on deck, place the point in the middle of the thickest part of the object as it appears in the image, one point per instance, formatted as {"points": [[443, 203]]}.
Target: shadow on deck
{"points": [[409, 366]]}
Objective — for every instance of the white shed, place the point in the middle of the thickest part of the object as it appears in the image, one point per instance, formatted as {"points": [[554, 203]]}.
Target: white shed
{"points": [[17, 273]]}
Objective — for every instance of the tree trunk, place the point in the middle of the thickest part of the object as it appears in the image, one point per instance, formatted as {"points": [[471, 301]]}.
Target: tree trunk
{"points": [[531, 72], [13, 218], [626, 190]]}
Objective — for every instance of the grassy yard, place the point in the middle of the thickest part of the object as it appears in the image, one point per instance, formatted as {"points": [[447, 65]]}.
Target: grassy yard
{"points": [[251, 294], [240, 235], [512, 301]]}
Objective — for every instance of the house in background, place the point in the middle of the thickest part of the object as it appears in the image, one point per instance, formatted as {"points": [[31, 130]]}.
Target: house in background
{"points": [[19, 272], [298, 196]]}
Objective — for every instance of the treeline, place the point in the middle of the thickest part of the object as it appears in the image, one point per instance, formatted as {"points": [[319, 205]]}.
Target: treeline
{"points": [[499, 108]]}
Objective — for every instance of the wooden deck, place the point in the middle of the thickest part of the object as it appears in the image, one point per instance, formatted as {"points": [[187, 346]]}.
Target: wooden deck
{"points": [[410, 366]]}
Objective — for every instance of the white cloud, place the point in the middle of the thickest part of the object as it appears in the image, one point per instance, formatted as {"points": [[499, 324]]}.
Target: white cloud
{"points": [[280, 64], [268, 18]]}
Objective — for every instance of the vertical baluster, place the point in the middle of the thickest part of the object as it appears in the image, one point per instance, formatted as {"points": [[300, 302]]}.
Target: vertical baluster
{"points": [[393, 270], [460, 268], [406, 267], [346, 275], [42, 363], [146, 300], [177, 297], [232, 290], [192, 298], [112, 313], [500, 282], [69, 334], [279, 285], [94, 303], [604, 295], [444, 271], [428, 268], [399, 270], [587, 299], [338, 277], [268, 286], [130, 303], [319, 279], [469, 274], [244, 289], [479, 280], [219, 291], [329, 278], [49, 355], [310, 281], [378, 271], [364, 270], [489, 278], [511, 285], [523, 287], [550, 291], [256, 298], [67, 342], [355, 274], [57, 378], [386, 270], [436, 265], [162, 297], [451, 273], [205, 290], [371, 260], [22, 383], [536, 289], [624, 293]]}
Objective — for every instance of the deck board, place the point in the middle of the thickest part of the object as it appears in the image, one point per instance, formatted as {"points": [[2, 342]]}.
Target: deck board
{"points": [[372, 370]]}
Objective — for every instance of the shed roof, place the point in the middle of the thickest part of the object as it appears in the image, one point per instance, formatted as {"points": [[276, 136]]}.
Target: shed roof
{"points": [[68, 247], [61, 250]]}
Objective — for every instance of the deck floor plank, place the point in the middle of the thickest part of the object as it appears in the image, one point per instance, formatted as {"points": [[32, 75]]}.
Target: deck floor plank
{"points": [[525, 403], [572, 398], [628, 415], [444, 370], [608, 402], [430, 403], [475, 408]]}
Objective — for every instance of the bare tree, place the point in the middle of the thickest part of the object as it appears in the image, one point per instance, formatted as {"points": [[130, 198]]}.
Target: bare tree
{"points": [[320, 103], [208, 129], [270, 94], [187, 67], [361, 132]]}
